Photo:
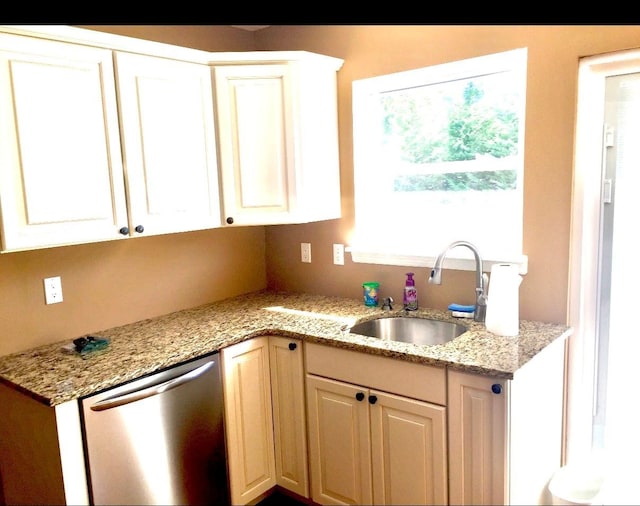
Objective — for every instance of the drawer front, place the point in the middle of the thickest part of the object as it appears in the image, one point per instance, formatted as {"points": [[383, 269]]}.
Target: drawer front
{"points": [[418, 381]]}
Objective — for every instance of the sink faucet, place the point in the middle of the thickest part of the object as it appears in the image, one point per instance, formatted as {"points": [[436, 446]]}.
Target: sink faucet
{"points": [[481, 278]]}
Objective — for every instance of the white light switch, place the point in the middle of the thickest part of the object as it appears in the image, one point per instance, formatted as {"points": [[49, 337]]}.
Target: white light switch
{"points": [[53, 290]]}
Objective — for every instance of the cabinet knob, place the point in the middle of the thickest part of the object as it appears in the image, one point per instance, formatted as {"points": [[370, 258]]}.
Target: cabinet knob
{"points": [[139, 229], [496, 388], [359, 396], [292, 346], [373, 399], [124, 230], [230, 220]]}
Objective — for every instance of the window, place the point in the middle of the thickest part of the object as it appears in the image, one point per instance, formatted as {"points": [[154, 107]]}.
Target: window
{"points": [[438, 157]]}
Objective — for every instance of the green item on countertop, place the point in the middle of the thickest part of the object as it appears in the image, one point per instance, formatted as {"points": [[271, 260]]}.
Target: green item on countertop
{"points": [[370, 293], [87, 346]]}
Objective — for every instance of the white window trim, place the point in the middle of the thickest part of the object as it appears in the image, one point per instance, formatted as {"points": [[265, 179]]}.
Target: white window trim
{"points": [[367, 256], [459, 258]]}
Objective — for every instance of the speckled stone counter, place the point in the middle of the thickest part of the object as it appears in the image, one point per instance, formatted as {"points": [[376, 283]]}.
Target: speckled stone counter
{"points": [[52, 376]]}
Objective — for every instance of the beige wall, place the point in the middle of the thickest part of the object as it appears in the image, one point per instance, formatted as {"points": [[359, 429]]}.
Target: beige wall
{"points": [[109, 284], [205, 37], [114, 283], [554, 53]]}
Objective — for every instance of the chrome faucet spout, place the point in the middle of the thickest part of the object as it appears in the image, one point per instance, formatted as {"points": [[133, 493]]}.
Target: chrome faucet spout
{"points": [[481, 279]]}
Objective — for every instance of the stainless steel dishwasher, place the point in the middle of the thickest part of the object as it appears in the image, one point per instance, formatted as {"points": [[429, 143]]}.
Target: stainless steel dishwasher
{"points": [[159, 439]]}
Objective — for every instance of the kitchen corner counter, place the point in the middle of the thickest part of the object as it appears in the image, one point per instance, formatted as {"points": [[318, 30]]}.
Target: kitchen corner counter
{"points": [[53, 376]]}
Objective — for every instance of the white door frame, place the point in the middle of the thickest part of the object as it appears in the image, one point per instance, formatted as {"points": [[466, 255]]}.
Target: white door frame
{"points": [[585, 244]]}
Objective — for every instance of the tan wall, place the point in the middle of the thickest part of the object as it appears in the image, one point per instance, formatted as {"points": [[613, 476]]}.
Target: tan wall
{"points": [[113, 283], [205, 37], [109, 284], [554, 53]]}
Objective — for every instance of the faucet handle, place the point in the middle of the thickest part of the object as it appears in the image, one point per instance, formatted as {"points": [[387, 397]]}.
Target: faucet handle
{"points": [[481, 291], [387, 303]]}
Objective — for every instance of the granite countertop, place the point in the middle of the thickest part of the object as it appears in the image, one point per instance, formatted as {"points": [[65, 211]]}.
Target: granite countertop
{"points": [[53, 376]]}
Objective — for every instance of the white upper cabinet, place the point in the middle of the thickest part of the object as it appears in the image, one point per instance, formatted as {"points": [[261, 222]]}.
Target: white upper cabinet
{"points": [[77, 129], [61, 178], [168, 136], [105, 137], [278, 137]]}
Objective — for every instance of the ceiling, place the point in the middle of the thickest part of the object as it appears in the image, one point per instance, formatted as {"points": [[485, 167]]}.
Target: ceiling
{"points": [[251, 28]]}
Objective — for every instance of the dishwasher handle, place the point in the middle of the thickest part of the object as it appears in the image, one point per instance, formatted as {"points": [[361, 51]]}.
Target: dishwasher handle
{"points": [[137, 395]]}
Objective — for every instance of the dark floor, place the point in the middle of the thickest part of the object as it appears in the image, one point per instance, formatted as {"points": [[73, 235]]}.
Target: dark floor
{"points": [[280, 499]]}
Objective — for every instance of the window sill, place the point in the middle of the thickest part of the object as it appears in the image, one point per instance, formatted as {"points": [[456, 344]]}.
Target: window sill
{"points": [[450, 262]]}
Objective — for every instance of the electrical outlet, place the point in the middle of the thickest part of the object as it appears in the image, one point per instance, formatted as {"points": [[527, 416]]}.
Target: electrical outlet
{"points": [[338, 254], [53, 290], [305, 252]]}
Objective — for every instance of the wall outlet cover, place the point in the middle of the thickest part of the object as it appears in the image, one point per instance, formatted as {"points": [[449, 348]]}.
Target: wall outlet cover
{"points": [[53, 290]]}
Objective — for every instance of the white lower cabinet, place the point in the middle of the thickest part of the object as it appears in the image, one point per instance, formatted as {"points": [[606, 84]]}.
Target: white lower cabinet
{"points": [[377, 430], [264, 417], [372, 444], [248, 419], [289, 414], [478, 439], [505, 436], [408, 451]]}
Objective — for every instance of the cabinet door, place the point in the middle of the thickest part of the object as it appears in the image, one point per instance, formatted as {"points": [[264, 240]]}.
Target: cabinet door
{"points": [[168, 135], [339, 443], [61, 179], [254, 108], [289, 414], [318, 190], [408, 448], [248, 419], [477, 412]]}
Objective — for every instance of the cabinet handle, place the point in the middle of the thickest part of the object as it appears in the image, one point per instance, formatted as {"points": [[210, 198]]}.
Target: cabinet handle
{"points": [[292, 346], [359, 396], [373, 399], [124, 230], [139, 229], [496, 388], [230, 220]]}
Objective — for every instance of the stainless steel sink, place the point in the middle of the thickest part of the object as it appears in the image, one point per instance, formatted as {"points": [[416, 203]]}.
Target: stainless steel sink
{"points": [[423, 331]]}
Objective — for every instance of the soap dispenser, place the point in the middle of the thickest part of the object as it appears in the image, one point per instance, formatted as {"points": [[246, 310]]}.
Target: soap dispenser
{"points": [[410, 298]]}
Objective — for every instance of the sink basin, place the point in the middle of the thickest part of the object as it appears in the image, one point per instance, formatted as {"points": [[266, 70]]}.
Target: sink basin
{"points": [[423, 331]]}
